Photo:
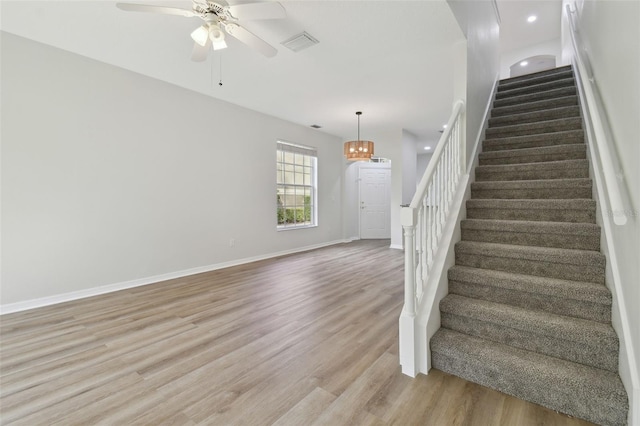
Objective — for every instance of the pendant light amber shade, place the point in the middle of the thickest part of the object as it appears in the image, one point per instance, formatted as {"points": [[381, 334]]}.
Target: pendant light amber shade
{"points": [[358, 150]]}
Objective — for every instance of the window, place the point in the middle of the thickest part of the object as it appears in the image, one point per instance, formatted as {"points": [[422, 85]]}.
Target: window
{"points": [[296, 186]]}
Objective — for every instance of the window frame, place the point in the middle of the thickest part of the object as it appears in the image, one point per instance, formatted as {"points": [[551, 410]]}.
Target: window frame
{"points": [[296, 176]]}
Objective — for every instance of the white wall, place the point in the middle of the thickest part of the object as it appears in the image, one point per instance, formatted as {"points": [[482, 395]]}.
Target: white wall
{"points": [[409, 153], [351, 224], [479, 22], [422, 161], [389, 145], [610, 31], [109, 176]]}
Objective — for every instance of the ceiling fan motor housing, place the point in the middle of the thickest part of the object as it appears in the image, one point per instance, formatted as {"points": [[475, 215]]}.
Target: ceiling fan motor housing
{"points": [[220, 10]]}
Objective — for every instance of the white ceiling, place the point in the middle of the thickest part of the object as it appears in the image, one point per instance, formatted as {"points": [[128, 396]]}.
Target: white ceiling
{"points": [[516, 32], [389, 59]]}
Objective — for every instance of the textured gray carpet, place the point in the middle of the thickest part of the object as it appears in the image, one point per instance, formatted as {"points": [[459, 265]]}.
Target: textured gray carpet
{"points": [[528, 312]]}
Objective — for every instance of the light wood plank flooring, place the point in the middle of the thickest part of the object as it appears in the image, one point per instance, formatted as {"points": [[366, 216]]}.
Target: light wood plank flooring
{"points": [[304, 339]]}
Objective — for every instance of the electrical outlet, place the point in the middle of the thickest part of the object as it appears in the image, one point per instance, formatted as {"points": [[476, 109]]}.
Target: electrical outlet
{"points": [[232, 242]]}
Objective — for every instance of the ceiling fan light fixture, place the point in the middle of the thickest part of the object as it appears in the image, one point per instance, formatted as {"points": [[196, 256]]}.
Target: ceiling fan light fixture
{"points": [[215, 33], [219, 45], [200, 35], [217, 37], [358, 150]]}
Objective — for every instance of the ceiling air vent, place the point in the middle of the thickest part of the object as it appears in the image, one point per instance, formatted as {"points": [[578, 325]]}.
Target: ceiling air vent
{"points": [[300, 41]]}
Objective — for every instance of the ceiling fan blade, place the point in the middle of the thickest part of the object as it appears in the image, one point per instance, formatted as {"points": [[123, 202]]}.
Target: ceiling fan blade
{"points": [[250, 39], [132, 7], [199, 53], [249, 11]]}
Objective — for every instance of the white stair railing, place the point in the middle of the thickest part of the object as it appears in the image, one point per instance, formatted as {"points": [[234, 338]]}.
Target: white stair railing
{"points": [[423, 222]]}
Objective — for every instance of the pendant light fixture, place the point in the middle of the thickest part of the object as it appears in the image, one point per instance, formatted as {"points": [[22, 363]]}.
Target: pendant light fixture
{"points": [[358, 150]]}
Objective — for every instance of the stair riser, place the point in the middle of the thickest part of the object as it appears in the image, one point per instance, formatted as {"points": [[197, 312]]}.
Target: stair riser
{"points": [[541, 302], [534, 128], [533, 97], [550, 193], [535, 141], [550, 394], [506, 236], [541, 158], [565, 271], [536, 88], [534, 106], [553, 73], [603, 355], [509, 85], [532, 117]]}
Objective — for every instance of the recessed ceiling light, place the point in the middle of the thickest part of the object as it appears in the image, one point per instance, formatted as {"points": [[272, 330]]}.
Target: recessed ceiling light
{"points": [[444, 126], [524, 63], [427, 148], [532, 18]]}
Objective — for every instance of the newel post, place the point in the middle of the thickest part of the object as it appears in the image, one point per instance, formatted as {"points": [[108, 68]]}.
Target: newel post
{"points": [[408, 218], [407, 344]]}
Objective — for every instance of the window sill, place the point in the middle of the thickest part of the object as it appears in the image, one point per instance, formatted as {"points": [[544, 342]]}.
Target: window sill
{"points": [[292, 228]]}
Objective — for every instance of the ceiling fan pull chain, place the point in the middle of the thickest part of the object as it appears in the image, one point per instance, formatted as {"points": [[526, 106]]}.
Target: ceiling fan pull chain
{"points": [[220, 82]]}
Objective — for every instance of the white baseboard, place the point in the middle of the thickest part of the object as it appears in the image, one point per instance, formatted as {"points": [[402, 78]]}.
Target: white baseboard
{"points": [[396, 246], [95, 291]]}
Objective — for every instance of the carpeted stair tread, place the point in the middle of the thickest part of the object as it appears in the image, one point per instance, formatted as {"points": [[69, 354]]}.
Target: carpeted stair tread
{"points": [[539, 127], [573, 339], [553, 73], [534, 116], [566, 264], [532, 189], [535, 88], [535, 106], [543, 210], [533, 141], [578, 390], [546, 254], [562, 169], [508, 84], [578, 236], [534, 155], [538, 96], [579, 299]]}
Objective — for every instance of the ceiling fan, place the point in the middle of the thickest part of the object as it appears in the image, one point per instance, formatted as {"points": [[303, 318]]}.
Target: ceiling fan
{"points": [[218, 15]]}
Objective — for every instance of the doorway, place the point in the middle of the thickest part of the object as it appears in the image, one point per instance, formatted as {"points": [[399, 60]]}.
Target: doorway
{"points": [[375, 201], [532, 64]]}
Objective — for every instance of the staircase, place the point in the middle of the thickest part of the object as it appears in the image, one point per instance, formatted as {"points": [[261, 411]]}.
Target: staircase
{"points": [[527, 312]]}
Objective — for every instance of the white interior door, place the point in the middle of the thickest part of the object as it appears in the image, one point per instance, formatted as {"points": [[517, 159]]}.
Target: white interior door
{"points": [[375, 203]]}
